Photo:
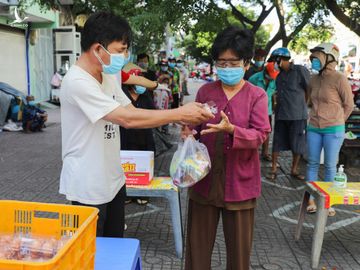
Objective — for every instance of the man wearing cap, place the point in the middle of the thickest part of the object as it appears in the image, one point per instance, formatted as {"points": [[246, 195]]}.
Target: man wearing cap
{"points": [[266, 80], [290, 111], [258, 65]]}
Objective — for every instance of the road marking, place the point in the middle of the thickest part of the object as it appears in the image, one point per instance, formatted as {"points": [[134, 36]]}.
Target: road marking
{"points": [[279, 214], [281, 186], [153, 210]]}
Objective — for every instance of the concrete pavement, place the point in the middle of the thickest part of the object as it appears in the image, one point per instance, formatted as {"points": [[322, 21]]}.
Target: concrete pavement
{"points": [[30, 166]]}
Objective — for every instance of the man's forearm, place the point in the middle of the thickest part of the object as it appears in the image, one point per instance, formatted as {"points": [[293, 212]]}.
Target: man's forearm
{"points": [[130, 117], [140, 80]]}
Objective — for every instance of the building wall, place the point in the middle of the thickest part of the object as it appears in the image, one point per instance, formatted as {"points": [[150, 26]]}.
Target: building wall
{"points": [[13, 57], [40, 50]]}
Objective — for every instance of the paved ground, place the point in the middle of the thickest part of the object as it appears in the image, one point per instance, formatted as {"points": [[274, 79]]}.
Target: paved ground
{"points": [[29, 170]]}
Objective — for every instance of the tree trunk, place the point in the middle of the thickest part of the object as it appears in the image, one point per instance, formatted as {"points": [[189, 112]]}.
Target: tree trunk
{"points": [[352, 24]]}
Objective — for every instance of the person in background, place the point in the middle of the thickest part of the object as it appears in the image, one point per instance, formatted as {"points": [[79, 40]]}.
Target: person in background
{"points": [[138, 139], [290, 111], [162, 75], [184, 76], [266, 80], [331, 103], [232, 139], [92, 108], [143, 61], [34, 118], [258, 65], [175, 84]]}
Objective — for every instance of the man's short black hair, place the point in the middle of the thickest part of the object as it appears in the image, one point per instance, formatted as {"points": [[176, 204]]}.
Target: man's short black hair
{"points": [[142, 56], [105, 27], [240, 41]]}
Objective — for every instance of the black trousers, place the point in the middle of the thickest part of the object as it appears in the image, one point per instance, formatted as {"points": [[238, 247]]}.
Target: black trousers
{"points": [[111, 219], [176, 101]]}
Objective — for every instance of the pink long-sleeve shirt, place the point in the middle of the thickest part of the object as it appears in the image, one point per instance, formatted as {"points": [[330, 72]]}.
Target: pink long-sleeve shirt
{"points": [[248, 112]]}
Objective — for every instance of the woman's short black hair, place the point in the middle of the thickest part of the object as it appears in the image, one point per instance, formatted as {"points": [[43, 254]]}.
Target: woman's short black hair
{"points": [[142, 56], [105, 27], [240, 41]]}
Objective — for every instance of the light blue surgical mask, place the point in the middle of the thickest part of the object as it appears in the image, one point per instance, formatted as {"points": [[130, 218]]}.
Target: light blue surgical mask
{"points": [[230, 76], [32, 103], [179, 65], [172, 65], [117, 61], [259, 63], [316, 64], [164, 68], [127, 60], [139, 89], [143, 65]]}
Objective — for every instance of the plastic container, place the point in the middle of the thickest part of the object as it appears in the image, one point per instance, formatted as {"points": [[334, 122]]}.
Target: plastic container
{"points": [[340, 179], [57, 221]]}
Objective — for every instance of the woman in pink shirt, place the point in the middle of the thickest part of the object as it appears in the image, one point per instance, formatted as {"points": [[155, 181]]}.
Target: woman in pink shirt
{"points": [[232, 138]]}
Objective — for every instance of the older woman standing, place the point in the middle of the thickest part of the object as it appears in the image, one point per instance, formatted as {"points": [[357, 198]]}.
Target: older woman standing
{"points": [[331, 103], [232, 138]]}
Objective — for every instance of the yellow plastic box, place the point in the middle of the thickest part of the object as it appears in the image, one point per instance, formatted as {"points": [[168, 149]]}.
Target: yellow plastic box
{"points": [[54, 220]]}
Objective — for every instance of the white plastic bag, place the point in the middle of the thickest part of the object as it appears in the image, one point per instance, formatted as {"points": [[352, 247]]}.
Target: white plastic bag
{"points": [[190, 163]]}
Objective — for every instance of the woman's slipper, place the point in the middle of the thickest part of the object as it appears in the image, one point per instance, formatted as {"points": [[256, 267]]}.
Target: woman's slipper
{"points": [[271, 176], [311, 209], [266, 157], [332, 212], [142, 202], [298, 176]]}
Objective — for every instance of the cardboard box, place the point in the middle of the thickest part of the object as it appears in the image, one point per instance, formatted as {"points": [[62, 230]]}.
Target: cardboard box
{"points": [[138, 166]]}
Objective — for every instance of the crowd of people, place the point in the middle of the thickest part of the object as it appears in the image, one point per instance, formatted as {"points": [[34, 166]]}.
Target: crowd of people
{"points": [[95, 104]]}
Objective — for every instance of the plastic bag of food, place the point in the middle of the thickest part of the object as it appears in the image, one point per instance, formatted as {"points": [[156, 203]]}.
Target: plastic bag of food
{"points": [[190, 163]]}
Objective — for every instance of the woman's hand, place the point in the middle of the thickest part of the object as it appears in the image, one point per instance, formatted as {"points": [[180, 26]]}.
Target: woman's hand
{"points": [[224, 126]]}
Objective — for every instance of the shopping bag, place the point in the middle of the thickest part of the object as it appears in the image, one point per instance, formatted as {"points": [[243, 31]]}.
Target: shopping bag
{"points": [[190, 163]]}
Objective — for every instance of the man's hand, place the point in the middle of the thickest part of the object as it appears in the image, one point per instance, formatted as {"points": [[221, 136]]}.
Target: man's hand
{"points": [[194, 113], [224, 126]]}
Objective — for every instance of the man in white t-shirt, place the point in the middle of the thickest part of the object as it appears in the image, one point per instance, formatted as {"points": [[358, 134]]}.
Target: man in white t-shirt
{"points": [[92, 107]]}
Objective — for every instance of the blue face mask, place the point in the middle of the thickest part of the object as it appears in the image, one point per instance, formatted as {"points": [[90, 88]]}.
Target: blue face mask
{"points": [[127, 60], [315, 64], [117, 61], [164, 68], [230, 76], [259, 63], [32, 103], [179, 65], [139, 89], [172, 65]]}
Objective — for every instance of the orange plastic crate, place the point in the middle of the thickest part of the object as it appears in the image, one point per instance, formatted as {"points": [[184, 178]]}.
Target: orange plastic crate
{"points": [[54, 220]]}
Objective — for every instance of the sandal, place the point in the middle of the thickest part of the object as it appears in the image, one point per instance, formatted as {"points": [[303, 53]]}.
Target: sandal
{"points": [[271, 176], [298, 176], [332, 212], [267, 157], [142, 202], [311, 209]]}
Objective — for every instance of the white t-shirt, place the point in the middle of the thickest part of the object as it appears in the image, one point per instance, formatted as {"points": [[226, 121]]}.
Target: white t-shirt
{"points": [[91, 172]]}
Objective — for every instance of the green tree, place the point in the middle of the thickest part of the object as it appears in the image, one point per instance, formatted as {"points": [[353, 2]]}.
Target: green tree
{"points": [[347, 12], [310, 33]]}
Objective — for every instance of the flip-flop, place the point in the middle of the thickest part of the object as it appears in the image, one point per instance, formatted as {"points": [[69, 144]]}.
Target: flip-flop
{"points": [[142, 202], [266, 157], [311, 209], [271, 176], [332, 212], [298, 176]]}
